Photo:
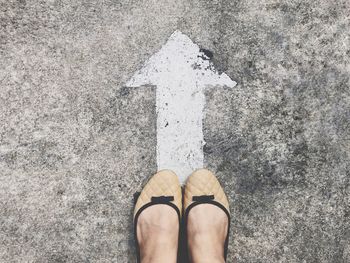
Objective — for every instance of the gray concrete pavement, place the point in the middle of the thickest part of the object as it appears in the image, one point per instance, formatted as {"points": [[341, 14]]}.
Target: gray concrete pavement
{"points": [[75, 144]]}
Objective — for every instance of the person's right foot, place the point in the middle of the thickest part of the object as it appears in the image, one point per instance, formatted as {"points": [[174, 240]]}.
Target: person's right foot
{"points": [[207, 218], [206, 233]]}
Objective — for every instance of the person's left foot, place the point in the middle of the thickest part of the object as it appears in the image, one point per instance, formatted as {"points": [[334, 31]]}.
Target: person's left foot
{"points": [[157, 217], [157, 234]]}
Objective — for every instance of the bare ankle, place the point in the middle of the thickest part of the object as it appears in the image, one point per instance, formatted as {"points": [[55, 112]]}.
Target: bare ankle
{"points": [[208, 260], [159, 253]]}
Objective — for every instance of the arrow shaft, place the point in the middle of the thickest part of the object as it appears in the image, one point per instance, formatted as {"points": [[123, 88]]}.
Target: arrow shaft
{"points": [[179, 128]]}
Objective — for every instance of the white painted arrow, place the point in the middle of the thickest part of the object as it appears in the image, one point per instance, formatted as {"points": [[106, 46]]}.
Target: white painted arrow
{"points": [[181, 71]]}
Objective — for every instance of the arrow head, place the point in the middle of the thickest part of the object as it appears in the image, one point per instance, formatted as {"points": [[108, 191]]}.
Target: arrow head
{"points": [[181, 60]]}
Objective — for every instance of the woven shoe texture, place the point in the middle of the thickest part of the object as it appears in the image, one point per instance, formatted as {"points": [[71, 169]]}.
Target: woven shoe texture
{"points": [[163, 183], [204, 182]]}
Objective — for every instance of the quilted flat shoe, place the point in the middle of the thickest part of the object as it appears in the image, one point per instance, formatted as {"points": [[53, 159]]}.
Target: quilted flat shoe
{"points": [[163, 188], [202, 187]]}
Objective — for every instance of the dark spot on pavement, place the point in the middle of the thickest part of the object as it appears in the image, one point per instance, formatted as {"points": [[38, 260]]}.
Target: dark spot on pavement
{"points": [[207, 54], [124, 91]]}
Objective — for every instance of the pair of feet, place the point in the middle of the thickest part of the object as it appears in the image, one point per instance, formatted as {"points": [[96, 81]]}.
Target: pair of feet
{"points": [[158, 233]]}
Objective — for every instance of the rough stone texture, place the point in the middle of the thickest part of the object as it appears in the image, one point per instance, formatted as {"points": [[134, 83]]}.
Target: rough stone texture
{"points": [[75, 144]]}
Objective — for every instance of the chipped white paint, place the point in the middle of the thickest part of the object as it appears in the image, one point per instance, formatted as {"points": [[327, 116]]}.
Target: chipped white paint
{"points": [[181, 72]]}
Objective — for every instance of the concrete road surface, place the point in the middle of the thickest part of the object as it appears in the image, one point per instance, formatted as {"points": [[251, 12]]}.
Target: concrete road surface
{"points": [[76, 143]]}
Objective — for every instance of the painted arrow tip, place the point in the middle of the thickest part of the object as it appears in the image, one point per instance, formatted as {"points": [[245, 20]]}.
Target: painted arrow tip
{"points": [[180, 57]]}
